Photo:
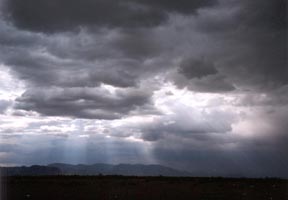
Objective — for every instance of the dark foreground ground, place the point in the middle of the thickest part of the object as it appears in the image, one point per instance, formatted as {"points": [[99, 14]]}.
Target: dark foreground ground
{"points": [[141, 188]]}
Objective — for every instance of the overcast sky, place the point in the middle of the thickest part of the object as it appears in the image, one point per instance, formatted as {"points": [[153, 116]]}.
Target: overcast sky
{"points": [[199, 85]]}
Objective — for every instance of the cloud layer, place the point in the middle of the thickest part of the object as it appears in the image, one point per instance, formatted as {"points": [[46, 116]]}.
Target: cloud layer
{"points": [[49, 16], [199, 85]]}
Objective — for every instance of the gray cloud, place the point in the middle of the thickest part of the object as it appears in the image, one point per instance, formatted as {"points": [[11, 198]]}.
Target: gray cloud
{"points": [[247, 46], [47, 65], [254, 47], [198, 129], [186, 123], [242, 55], [63, 15], [192, 68], [277, 97], [236, 48], [93, 103], [182, 6], [215, 83], [212, 83], [37, 15], [138, 44]]}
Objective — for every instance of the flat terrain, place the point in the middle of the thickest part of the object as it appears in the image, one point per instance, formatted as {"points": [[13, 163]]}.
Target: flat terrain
{"points": [[141, 188]]}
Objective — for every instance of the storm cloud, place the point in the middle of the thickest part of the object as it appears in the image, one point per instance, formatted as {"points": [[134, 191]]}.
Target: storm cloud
{"points": [[82, 102], [199, 85], [255, 44], [60, 15]]}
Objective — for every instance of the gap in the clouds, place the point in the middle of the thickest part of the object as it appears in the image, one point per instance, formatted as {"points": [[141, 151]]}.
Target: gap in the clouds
{"points": [[10, 86]]}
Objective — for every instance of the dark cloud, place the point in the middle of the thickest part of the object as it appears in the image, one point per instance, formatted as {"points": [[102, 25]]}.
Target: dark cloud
{"points": [[181, 6], [192, 68], [10, 37], [88, 103], [85, 59], [59, 62], [266, 14], [253, 39], [212, 83], [259, 14], [201, 75], [247, 46], [138, 44], [42, 69], [217, 83], [55, 15], [122, 53]]}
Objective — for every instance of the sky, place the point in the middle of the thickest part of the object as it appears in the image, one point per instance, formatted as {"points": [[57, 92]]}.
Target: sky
{"points": [[198, 85]]}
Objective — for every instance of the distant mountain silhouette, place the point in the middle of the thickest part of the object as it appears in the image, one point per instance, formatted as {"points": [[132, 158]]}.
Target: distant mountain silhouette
{"points": [[35, 170], [121, 169], [95, 169]]}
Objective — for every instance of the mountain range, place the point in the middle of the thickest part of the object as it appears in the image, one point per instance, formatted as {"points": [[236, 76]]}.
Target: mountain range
{"points": [[94, 169]]}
